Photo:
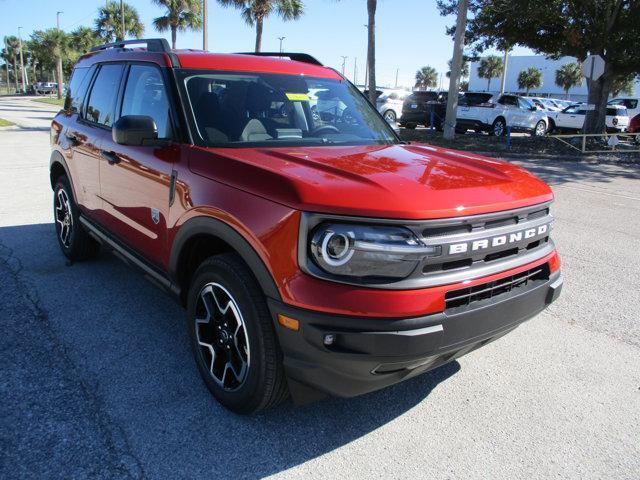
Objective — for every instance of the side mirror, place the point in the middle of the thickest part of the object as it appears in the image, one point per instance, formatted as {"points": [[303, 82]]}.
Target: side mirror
{"points": [[135, 130]]}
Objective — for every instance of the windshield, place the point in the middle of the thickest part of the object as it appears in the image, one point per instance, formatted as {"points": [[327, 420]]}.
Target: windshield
{"points": [[260, 109]]}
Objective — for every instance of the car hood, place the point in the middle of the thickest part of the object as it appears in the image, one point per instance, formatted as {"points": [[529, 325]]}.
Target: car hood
{"points": [[392, 181]]}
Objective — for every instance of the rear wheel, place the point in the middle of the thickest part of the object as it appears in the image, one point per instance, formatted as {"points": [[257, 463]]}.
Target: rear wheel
{"points": [[232, 336], [73, 239]]}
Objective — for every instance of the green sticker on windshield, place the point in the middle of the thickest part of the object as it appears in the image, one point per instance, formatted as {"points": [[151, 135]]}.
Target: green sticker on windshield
{"points": [[298, 97]]}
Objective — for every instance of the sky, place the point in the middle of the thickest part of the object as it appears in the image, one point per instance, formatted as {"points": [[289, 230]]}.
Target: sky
{"points": [[409, 33]]}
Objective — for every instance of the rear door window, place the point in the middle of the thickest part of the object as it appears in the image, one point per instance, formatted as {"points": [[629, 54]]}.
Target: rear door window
{"points": [[101, 103], [145, 94]]}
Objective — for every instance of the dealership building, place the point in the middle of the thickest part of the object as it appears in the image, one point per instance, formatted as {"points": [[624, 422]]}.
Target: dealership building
{"points": [[548, 68]]}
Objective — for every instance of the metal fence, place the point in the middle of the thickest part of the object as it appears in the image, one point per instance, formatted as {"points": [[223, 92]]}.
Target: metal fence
{"points": [[601, 142]]}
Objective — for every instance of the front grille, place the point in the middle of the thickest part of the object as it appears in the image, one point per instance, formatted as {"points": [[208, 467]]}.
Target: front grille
{"points": [[511, 285]]}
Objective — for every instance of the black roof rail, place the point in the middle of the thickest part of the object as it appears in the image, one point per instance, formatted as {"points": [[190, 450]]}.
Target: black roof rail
{"points": [[298, 57], [153, 44]]}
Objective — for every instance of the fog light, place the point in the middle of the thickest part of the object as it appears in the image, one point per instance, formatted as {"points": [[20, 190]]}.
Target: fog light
{"points": [[329, 339]]}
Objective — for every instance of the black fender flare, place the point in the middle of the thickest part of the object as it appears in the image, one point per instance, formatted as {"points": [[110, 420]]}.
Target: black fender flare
{"points": [[57, 157], [203, 225]]}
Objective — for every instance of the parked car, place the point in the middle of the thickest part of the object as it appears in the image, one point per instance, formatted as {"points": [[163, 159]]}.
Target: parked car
{"points": [[45, 88], [634, 127], [389, 103], [500, 111], [313, 256], [632, 104], [545, 104], [417, 107], [572, 118]]}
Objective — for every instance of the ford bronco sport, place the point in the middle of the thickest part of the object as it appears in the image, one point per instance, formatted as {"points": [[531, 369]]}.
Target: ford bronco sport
{"points": [[315, 253]]}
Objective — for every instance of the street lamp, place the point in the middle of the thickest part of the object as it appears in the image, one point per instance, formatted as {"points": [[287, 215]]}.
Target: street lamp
{"points": [[281, 39], [344, 63], [58, 19]]}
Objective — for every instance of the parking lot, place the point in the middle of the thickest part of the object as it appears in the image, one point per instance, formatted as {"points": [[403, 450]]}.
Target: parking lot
{"points": [[98, 378]]}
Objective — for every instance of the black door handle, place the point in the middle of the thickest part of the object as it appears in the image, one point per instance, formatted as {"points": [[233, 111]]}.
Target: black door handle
{"points": [[72, 138], [111, 157]]}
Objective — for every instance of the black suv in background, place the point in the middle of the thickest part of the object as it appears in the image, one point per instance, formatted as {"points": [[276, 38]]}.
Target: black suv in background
{"points": [[417, 108]]}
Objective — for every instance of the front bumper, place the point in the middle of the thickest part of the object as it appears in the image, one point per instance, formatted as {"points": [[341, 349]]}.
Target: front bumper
{"points": [[371, 353]]}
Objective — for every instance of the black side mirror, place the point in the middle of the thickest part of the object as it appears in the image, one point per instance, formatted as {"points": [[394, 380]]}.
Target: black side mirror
{"points": [[135, 130]]}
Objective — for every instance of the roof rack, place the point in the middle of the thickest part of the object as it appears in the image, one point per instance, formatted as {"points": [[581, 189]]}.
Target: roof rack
{"points": [[153, 44], [298, 57]]}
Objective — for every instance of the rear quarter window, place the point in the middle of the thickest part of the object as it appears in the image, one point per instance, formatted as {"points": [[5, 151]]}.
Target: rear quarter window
{"points": [[77, 88]]}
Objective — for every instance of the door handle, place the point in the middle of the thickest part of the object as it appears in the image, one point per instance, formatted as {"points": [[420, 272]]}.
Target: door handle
{"points": [[73, 139], [111, 157]]}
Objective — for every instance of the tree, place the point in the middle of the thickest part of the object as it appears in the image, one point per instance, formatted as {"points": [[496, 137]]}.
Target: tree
{"points": [[464, 71], [83, 39], [13, 47], [623, 85], [529, 78], [6, 56], [181, 15], [109, 22], [57, 43], [568, 76], [372, 5], [490, 67], [426, 77], [557, 28], [254, 12]]}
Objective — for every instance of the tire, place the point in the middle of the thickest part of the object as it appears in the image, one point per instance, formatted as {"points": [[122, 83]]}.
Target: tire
{"points": [[390, 116], [74, 241], [461, 131], [540, 130], [237, 353], [552, 127], [498, 127]]}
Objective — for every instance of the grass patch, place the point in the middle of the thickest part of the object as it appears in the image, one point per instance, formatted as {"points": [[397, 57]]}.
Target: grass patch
{"points": [[50, 101], [5, 123]]}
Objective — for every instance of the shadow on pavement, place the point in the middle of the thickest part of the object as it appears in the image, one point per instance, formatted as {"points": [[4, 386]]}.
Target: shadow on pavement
{"points": [[100, 381]]}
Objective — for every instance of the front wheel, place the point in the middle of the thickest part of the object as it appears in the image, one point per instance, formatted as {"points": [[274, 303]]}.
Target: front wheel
{"points": [[73, 239], [232, 335], [390, 116], [540, 129], [498, 127]]}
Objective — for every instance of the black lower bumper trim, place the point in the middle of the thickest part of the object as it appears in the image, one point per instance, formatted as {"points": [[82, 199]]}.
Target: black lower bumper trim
{"points": [[345, 356]]}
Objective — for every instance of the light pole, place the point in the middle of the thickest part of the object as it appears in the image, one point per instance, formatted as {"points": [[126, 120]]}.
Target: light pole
{"points": [[22, 70], [355, 71], [503, 81], [344, 63], [58, 19], [397, 72], [205, 26], [281, 39]]}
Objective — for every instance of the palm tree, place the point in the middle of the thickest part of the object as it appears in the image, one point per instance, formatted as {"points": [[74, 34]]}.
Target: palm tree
{"points": [[529, 78], [255, 11], [6, 56], [13, 47], [426, 77], [372, 5], [464, 69], [84, 39], [623, 84], [568, 76], [58, 44], [490, 67], [109, 22], [181, 15]]}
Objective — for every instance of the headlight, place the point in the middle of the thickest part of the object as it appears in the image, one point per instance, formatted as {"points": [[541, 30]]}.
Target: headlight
{"points": [[367, 252]]}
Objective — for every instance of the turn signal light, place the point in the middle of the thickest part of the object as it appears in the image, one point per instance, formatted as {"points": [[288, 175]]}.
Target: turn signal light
{"points": [[288, 322]]}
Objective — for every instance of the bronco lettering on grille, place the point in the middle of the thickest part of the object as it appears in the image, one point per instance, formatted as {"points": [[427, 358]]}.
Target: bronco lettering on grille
{"points": [[498, 240]]}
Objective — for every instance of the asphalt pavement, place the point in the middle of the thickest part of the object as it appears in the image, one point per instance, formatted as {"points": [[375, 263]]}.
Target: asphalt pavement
{"points": [[97, 379]]}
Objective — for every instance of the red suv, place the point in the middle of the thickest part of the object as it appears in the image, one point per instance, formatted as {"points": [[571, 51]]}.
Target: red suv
{"points": [[315, 252]]}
